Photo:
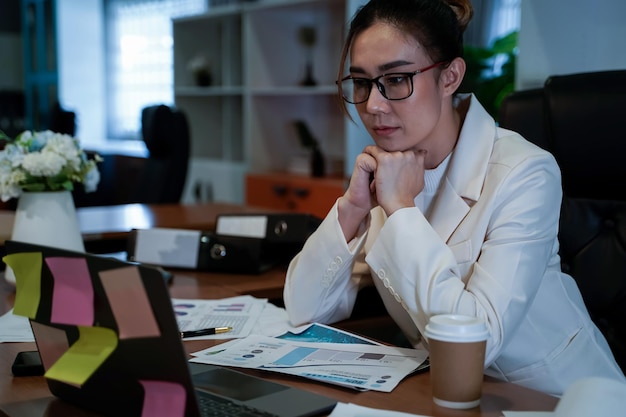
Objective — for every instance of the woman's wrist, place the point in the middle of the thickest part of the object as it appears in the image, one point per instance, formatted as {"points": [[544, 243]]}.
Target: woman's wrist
{"points": [[350, 217]]}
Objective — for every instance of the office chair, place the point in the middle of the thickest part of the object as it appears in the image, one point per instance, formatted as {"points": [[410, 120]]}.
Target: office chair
{"points": [[165, 131], [523, 111], [61, 120], [586, 128], [581, 123], [12, 112]]}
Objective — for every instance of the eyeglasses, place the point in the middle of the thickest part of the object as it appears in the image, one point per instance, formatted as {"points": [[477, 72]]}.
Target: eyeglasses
{"points": [[393, 86]]}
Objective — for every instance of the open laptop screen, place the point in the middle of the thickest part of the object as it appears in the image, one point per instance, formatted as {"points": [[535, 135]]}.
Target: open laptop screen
{"points": [[109, 341], [105, 330]]}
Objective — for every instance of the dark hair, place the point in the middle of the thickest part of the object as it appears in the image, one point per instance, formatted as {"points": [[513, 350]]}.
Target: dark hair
{"points": [[438, 25]]}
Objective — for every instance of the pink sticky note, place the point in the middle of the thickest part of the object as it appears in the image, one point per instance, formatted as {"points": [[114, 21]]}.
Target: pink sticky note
{"points": [[72, 299], [129, 303], [52, 343], [163, 399]]}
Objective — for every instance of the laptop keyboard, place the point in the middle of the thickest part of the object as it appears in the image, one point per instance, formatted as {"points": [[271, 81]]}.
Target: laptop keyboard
{"points": [[214, 406]]}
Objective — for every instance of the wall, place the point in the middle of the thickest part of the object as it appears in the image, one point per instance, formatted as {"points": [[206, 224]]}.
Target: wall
{"points": [[569, 36], [12, 68], [80, 60]]}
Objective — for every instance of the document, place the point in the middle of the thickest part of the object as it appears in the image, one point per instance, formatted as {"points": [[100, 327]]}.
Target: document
{"points": [[241, 313], [352, 365], [15, 328], [321, 333], [353, 410]]}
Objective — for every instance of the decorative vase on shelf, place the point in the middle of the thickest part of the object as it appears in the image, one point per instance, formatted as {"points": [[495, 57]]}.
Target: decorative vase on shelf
{"points": [[46, 218], [307, 36]]}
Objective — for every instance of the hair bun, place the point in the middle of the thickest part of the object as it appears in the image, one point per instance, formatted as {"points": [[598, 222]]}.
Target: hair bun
{"points": [[463, 10]]}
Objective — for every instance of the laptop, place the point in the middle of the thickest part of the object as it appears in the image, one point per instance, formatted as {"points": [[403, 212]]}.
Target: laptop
{"points": [[109, 341]]}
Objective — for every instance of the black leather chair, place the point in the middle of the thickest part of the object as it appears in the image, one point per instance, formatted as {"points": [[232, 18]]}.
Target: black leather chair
{"points": [[12, 112], [583, 126], [586, 129], [61, 120], [523, 111], [165, 131]]}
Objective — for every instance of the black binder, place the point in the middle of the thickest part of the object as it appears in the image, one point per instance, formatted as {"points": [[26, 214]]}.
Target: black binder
{"points": [[242, 243], [283, 236]]}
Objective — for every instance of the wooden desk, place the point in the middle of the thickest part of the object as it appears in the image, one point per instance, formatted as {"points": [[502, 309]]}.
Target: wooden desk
{"points": [[110, 223], [412, 395]]}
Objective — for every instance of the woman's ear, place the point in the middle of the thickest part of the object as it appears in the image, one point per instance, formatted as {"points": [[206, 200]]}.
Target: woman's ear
{"points": [[452, 76]]}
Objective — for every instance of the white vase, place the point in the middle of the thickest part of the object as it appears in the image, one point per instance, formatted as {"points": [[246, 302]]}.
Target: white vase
{"points": [[46, 218]]}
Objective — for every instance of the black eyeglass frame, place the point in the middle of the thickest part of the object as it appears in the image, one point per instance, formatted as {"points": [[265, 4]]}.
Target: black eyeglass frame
{"points": [[380, 87]]}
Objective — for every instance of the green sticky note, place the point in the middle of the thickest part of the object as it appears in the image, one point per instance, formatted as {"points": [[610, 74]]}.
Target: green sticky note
{"points": [[83, 358], [27, 269]]}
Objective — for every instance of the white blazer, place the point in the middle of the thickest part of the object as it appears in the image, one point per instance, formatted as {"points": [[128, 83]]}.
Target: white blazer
{"points": [[488, 248]]}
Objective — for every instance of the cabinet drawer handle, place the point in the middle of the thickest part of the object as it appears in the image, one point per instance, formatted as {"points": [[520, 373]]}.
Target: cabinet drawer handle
{"points": [[301, 192], [280, 190]]}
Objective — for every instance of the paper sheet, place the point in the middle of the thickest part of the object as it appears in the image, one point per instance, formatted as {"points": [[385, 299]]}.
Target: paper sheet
{"points": [[241, 313], [14, 328], [358, 366], [353, 410]]}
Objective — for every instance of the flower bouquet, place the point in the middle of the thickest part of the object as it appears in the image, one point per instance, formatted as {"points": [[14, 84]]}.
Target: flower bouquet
{"points": [[44, 161], [40, 170]]}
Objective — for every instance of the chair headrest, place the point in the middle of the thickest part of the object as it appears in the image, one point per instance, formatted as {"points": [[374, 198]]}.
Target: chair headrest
{"points": [[585, 114], [161, 127]]}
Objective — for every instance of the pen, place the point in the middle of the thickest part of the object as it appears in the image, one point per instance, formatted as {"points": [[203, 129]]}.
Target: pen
{"points": [[205, 332]]}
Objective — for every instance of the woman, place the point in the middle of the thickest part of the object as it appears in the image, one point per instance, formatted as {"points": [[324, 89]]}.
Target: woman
{"points": [[447, 213]]}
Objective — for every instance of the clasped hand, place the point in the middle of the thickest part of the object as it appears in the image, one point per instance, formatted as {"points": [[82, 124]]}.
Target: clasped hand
{"points": [[398, 177]]}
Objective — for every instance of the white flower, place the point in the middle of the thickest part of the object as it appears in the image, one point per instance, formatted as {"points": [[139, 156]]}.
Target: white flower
{"points": [[92, 178], [48, 164], [45, 161]]}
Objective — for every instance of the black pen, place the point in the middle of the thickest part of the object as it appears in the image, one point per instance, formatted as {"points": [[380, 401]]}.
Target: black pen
{"points": [[205, 332]]}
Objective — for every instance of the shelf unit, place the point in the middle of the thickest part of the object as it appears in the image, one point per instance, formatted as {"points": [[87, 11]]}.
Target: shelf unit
{"points": [[245, 120]]}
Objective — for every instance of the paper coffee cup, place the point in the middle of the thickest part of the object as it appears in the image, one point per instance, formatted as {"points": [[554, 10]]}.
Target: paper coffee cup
{"points": [[457, 359]]}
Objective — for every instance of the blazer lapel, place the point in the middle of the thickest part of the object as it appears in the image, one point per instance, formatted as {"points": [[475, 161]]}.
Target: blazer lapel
{"points": [[448, 211], [466, 173]]}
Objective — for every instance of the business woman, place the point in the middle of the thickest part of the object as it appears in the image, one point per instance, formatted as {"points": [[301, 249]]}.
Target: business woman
{"points": [[446, 212]]}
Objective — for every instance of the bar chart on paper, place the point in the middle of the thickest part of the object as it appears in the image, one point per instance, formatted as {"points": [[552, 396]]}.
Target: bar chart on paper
{"points": [[240, 313]]}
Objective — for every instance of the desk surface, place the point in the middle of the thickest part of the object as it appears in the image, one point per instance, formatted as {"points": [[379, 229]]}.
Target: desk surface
{"points": [[411, 395], [113, 222]]}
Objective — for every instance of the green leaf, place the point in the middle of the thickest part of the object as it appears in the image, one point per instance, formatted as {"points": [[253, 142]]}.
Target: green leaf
{"points": [[506, 44]]}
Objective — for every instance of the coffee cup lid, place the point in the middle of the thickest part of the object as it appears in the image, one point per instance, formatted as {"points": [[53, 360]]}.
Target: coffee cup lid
{"points": [[456, 328]]}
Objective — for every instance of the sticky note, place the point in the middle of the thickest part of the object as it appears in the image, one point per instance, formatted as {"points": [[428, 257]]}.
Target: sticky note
{"points": [[27, 269], [129, 302], [52, 343], [72, 298], [85, 356], [163, 399]]}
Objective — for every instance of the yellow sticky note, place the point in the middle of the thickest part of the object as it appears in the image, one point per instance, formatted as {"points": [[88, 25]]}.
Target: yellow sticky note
{"points": [[27, 269], [83, 358]]}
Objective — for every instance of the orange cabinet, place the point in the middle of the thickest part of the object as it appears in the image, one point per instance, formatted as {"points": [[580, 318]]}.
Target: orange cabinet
{"points": [[293, 193]]}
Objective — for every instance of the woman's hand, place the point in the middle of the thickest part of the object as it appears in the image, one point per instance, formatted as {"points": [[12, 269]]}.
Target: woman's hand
{"points": [[389, 179], [399, 177], [354, 206]]}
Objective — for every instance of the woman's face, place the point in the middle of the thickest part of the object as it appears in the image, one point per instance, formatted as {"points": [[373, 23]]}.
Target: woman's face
{"points": [[397, 125]]}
